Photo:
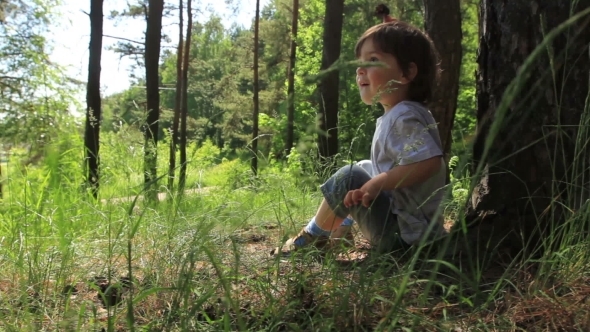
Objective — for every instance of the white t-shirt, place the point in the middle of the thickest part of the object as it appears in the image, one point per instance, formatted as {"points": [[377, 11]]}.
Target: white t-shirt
{"points": [[405, 135]]}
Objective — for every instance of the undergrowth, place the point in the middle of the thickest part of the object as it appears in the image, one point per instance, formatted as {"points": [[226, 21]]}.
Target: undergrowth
{"points": [[201, 262]]}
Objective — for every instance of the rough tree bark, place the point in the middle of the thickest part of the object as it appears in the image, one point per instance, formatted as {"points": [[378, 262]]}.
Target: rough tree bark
{"points": [[329, 85], [535, 167], [255, 96], [184, 112], [178, 98], [153, 36], [442, 22], [93, 101], [291, 79]]}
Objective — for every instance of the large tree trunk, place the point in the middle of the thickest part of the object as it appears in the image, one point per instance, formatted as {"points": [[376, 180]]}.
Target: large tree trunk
{"points": [[93, 102], [531, 147], [329, 85], [153, 36], [184, 112], [291, 79], [177, 101], [255, 97], [443, 23]]}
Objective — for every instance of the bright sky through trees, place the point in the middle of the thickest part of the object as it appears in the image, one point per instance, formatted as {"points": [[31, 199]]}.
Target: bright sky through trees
{"points": [[71, 36]]}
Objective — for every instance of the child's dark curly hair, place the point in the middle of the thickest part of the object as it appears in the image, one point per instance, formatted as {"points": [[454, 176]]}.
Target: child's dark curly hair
{"points": [[407, 44]]}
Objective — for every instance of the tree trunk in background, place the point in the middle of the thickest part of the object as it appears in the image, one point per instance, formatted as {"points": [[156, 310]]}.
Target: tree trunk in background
{"points": [[184, 112], [535, 168], [178, 99], [153, 36], [256, 88], [291, 79], [93, 101], [328, 87], [442, 22]]}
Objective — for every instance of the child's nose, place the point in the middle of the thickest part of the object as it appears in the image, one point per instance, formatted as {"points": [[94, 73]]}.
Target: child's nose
{"points": [[360, 70]]}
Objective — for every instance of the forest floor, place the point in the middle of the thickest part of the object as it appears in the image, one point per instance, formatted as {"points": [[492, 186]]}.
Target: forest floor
{"points": [[253, 289], [206, 266]]}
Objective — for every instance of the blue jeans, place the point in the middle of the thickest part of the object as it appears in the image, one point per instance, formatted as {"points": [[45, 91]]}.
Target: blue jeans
{"points": [[377, 222]]}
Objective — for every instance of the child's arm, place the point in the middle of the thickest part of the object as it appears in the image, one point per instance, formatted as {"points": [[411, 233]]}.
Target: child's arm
{"points": [[406, 175], [415, 153], [396, 178]]}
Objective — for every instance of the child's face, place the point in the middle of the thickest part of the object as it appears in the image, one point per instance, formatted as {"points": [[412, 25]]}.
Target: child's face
{"points": [[385, 84]]}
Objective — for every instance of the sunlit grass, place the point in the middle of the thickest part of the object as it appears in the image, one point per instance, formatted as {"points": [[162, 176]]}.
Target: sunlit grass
{"points": [[202, 263]]}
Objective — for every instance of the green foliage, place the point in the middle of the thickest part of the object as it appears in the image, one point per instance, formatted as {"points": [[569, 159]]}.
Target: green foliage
{"points": [[294, 163], [121, 157], [36, 95], [459, 177], [231, 174], [220, 80], [207, 155], [124, 108], [464, 125], [59, 171]]}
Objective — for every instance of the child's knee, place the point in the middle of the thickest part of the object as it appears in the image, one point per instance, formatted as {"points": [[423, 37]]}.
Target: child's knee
{"points": [[355, 173], [367, 165]]}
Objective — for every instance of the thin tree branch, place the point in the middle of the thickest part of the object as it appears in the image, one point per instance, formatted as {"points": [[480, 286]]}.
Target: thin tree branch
{"points": [[159, 88], [124, 39], [11, 78]]}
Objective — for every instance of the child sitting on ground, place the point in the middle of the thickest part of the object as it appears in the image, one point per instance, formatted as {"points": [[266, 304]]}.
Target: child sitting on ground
{"points": [[396, 203]]}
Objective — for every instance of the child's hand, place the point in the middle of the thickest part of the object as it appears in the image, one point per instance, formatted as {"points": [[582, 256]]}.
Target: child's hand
{"points": [[357, 196], [370, 191], [353, 197], [367, 193]]}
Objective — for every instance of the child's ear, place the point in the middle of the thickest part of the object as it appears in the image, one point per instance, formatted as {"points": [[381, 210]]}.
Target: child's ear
{"points": [[410, 73]]}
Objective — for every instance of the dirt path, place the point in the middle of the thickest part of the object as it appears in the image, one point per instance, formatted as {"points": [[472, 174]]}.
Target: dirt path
{"points": [[161, 196]]}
